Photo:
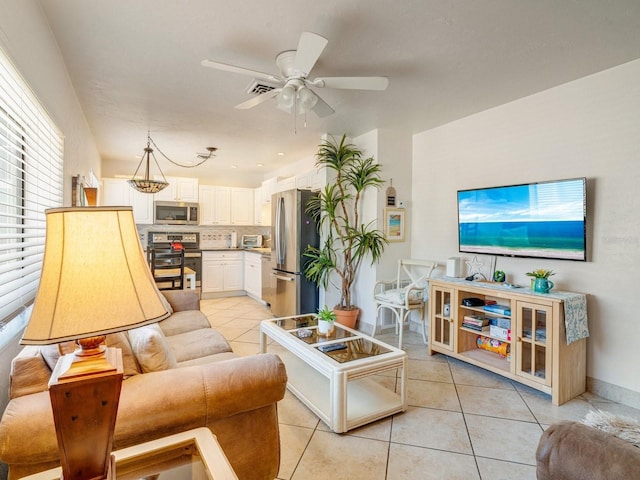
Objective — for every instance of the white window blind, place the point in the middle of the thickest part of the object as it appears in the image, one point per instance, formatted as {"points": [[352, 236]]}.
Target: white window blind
{"points": [[31, 159]]}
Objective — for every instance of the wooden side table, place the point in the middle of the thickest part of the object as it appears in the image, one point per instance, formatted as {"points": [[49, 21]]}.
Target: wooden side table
{"points": [[194, 455]]}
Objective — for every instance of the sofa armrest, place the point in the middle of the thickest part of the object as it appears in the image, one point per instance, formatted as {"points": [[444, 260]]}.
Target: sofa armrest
{"points": [[152, 405], [29, 373], [571, 451], [181, 300]]}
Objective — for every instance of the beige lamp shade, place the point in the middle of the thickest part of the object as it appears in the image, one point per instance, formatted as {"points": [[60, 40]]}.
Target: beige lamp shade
{"points": [[95, 278]]}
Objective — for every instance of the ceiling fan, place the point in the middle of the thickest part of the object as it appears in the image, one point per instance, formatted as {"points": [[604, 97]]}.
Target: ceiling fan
{"points": [[292, 85]]}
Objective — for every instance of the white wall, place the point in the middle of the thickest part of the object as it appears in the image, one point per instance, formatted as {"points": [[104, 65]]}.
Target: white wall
{"points": [[26, 38], [589, 128]]}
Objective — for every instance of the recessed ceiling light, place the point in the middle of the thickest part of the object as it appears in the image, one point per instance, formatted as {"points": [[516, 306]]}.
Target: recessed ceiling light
{"points": [[234, 166], [259, 164], [281, 154]]}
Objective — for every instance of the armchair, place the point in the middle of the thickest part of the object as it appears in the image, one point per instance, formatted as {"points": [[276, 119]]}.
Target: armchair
{"points": [[405, 294]]}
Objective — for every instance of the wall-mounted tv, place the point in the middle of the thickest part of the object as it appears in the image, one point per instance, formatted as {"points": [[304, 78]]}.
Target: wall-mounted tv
{"points": [[540, 220]]}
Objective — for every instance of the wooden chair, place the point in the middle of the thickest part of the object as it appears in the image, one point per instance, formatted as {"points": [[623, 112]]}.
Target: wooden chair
{"points": [[405, 294], [167, 268]]}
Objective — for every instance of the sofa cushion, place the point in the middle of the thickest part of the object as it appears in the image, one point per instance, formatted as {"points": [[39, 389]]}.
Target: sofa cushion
{"points": [[129, 363], [186, 321], [216, 357], [198, 343], [51, 353], [151, 349]]}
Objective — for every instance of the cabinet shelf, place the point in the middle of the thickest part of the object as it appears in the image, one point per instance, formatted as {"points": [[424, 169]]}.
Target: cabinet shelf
{"points": [[482, 334], [484, 358], [485, 312]]}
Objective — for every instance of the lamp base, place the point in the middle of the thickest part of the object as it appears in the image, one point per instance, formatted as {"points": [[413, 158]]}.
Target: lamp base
{"points": [[84, 412]]}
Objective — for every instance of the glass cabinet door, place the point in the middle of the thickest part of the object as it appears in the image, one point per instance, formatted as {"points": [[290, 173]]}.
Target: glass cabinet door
{"points": [[441, 318], [533, 342]]}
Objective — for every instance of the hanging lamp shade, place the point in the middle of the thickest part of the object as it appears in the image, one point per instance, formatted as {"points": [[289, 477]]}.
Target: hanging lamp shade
{"points": [[146, 184]]}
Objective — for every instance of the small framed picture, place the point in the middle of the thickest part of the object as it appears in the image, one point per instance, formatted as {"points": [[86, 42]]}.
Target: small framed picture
{"points": [[394, 224]]}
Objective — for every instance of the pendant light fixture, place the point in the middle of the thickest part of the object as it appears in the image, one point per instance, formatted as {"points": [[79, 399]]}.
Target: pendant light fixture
{"points": [[146, 184]]}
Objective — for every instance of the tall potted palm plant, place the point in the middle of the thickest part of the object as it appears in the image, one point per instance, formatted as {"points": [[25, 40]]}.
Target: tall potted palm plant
{"points": [[337, 212]]}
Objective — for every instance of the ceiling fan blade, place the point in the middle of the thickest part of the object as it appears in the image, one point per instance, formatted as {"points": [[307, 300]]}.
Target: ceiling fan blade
{"points": [[322, 108], [352, 83], [310, 46], [241, 70], [252, 102]]}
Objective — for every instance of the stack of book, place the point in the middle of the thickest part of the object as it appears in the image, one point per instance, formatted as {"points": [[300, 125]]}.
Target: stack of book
{"points": [[476, 322]]}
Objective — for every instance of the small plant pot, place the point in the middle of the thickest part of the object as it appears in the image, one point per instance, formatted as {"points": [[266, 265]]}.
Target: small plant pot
{"points": [[325, 328], [542, 285]]}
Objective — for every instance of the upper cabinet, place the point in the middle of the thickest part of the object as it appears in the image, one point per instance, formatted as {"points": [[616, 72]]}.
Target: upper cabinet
{"points": [[215, 205], [116, 192], [180, 189], [226, 205], [242, 206]]}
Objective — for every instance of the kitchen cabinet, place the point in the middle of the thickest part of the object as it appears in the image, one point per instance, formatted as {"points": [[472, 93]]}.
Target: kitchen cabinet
{"points": [[222, 272], [180, 189], [253, 274], [285, 184], [215, 205], [242, 206], [525, 339], [261, 208], [117, 192]]}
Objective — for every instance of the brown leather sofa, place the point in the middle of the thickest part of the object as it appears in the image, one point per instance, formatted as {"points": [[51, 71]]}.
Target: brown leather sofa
{"points": [[573, 451], [180, 376]]}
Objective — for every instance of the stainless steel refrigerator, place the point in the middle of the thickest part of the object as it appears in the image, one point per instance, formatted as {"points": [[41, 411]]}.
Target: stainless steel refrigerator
{"points": [[292, 230]]}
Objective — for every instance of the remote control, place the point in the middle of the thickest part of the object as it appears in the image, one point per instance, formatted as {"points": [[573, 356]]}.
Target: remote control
{"points": [[332, 347]]}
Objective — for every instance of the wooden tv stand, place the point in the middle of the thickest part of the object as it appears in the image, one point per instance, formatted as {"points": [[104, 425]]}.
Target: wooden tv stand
{"points": [[539, 354]]}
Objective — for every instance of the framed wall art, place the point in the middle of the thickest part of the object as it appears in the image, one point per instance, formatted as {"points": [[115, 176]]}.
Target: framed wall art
{"points": [[394, 220]]}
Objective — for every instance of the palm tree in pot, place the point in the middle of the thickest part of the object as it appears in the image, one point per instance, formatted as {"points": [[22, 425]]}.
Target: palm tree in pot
{"points": [[337, 212]]}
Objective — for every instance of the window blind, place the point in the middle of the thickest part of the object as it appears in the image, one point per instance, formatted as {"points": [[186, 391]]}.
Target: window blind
{"points": [[31, 180]]}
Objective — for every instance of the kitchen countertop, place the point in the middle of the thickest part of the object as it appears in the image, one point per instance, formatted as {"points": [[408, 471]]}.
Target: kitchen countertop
{"points": [[261, 250]]}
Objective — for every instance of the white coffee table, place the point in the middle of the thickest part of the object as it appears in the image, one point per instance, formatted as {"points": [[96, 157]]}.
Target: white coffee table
{"points": [[346, 388]]}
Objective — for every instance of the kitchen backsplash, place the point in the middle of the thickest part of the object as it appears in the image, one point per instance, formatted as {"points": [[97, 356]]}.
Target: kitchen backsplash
{"points": [[222, 232]]}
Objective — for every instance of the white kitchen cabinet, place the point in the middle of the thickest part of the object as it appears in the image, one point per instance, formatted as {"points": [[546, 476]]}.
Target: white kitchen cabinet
{"points": [[215, 205], [222, 272], [268, 189], [117, 192], [180, 189], [242, 206], [285, 184], [257, 206], [253, 274]]}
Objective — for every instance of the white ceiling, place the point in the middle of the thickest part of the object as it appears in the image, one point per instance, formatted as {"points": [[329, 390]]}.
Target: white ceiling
{"points": [[136, 67]]}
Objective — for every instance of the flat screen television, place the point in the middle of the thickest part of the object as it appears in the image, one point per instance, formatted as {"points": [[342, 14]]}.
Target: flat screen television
{"points": [[539, 220]]}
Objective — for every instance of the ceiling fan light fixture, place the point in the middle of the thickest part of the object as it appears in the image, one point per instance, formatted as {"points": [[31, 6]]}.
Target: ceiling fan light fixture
{"points": [[306, 99], [287, 96]]}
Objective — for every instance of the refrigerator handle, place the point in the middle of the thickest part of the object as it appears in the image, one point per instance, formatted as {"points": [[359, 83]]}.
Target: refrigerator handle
{"points": [[280, 236], [286, 279]]}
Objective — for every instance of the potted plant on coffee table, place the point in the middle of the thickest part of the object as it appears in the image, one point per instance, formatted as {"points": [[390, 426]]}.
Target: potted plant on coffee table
{"points": [[337, 210], [326, 319]]}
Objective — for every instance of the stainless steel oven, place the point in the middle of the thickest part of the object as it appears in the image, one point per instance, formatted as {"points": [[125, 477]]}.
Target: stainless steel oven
{"points": [[190, 244]]}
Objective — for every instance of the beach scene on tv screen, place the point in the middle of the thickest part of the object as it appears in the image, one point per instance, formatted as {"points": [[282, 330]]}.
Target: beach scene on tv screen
{"points": [[544, 220]]}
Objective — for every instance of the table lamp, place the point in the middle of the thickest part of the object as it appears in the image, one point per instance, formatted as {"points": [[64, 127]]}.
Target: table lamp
{"points": [[95, 280]]}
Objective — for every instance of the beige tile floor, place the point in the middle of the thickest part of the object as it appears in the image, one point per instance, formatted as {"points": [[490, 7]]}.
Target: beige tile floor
{"points": [[462, 422]]}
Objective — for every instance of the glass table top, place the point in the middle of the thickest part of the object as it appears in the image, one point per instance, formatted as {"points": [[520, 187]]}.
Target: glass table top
{"points": [[352, 349], [351, 346]]}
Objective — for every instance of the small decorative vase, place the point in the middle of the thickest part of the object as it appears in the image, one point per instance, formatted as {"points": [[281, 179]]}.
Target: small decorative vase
{"points": [[325, 328], [542, 285]]}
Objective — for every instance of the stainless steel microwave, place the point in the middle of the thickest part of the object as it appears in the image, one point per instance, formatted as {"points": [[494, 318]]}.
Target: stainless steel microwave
{"points": [[175, 213]]}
